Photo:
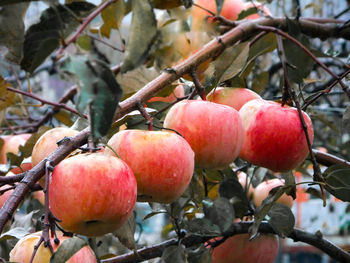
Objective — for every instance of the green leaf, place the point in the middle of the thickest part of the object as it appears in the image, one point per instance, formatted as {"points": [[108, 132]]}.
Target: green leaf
{"points": [[14, 233], [296, 56], [231, 61], [67, 249], [113, 15], [281, 220], [251, 11], [100, 92], [289, 180], [12, 30], [43, 38], [126, 232], [258, 175], [338, 181], [262, 211], [346, 120], [233, 190], [202, 227], [219, 4], [143, 34], [219, 212], [84, 42], [174, 254], [136, 79], [260, 81], [199, 255], [154, 213], [7, 97]]}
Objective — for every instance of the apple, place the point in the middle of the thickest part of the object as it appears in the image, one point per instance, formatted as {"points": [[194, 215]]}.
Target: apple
{"points": [[214, 131], [263, 190], [178, 92], [25, 166], [238, 248], [230, 10], [163, 162], [40, 196], [7, 194], [11, 145], [47, 142], [93, 193], [23, 250], [258, 5], [274, 137], [233, 97]]}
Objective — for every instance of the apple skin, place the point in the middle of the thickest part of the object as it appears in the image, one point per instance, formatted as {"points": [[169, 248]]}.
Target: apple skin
{"points": [[6, 195], [258, 5], [23, 250], [263, 189], [233, 97], [230, 10], [178, 92], [238, 249], [214, 131], [11, 145], [47, 143], [274, 137], [93, 194], [163, 162]]}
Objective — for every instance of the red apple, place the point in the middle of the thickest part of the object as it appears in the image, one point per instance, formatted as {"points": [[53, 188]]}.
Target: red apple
{"points": [[258, 5], [233, 97], [178, 92], [238, 248], [274, 137], [47, 143], [163, 162], [11, 145], [25, 166], [93, 194], [214, 131], [263, 190], [23, 250], [230, 10], [7, 194]]}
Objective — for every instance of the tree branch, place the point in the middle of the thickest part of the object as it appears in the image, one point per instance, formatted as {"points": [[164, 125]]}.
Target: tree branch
{"points": [[236, 229]]}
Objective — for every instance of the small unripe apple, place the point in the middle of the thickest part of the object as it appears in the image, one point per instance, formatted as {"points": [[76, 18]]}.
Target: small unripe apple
{"points": [[23, 250], [93, 194], [11, 145], [214, 131], [47, 143], [233, 97], [274, 137], [178, 92], [263, 190], [257, 5], [238, 248], [162, 162], [230, 10]]}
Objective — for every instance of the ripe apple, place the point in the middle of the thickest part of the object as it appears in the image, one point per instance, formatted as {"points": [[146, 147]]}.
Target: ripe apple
{"points": [[263, 190], [233, 97], [238, 248], [214, 131], [230, 10], [23, 250], [7, 194], [25, 166], [258, 5], [163, 162], [47, 143], [11, 145], [178, 92], [93, 194], [274, 137]]}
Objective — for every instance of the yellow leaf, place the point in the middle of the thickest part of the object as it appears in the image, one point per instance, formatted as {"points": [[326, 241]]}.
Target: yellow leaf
{"points": [[7, 98]]}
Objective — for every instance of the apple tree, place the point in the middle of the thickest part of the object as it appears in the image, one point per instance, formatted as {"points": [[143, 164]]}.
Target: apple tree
{"points": [[204, 110]]}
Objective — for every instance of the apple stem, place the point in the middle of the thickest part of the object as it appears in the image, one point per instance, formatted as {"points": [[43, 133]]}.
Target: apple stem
{"points": [[146, 115], [197, 84]]}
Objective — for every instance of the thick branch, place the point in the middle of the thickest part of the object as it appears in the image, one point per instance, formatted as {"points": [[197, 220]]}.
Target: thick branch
{"points": [[236, 228], [329, 159]]}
